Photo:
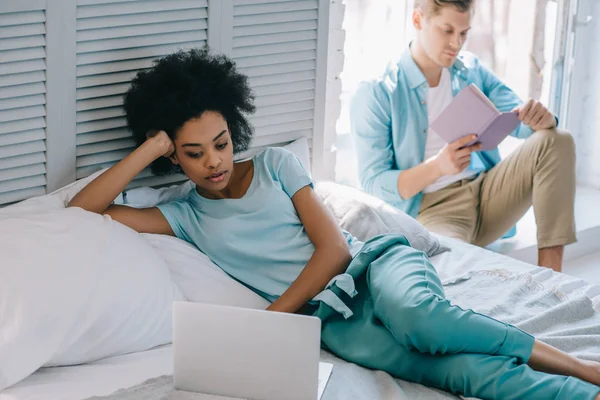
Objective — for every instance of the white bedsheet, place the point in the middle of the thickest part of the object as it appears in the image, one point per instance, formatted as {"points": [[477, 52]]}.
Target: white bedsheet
{"points": [[348, 381]]}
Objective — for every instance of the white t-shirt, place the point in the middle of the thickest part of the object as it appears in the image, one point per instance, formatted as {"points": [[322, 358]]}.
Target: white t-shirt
{"points": [[438, 99]]}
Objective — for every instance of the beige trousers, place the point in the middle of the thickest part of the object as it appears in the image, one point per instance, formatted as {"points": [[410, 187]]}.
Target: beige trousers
{"points": [[540, 173]]}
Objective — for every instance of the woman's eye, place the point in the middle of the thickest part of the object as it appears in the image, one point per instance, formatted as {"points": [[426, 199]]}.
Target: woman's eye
{"points": [[222, 145], [194, 155]]}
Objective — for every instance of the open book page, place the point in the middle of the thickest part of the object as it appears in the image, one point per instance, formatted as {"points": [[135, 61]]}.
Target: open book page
{"points": [[483, 97], [324, 374]]}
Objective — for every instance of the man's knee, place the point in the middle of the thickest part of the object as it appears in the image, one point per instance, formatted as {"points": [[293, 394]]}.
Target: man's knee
{"points": [[556, 142]]}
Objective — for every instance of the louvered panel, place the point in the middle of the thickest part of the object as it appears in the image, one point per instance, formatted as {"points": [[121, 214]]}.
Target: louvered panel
{"points": [[23, 66], [102, 91], [280, 119], [27, 159], [265, 101], [17, 195], [116, 21], [16, 31], [100, 114], [269, 29], [22, 105], [22, 54], [269, 70], [104, 9], [281, 89], [100, 82], [277, 59], [261, 40], [137, 52], [285, 108], [276, 18], [101, 158], [275, 45], [30, 18], [22, 172], [116, 39], [281, 138], [109, 45], [282, 79], [22, 137], [106, 146], [22, 125], [100, 102], [22, 148], [22, 183], [21, 79], [152, 180], [102, 136], [104, 125], [149, 30], [36, 41], [279, 48], [22, 113], [22, 90], [130, 66], [19, 102]]}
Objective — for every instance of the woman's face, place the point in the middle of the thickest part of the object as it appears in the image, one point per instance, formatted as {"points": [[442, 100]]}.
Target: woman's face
{"points": [[204, 151]]}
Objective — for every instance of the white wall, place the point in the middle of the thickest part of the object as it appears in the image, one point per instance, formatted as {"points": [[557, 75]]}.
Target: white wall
{"points": [[584, 115]]}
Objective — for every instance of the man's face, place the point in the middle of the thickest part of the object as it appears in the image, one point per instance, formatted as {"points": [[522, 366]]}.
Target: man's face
{"points": [[442, 35]]}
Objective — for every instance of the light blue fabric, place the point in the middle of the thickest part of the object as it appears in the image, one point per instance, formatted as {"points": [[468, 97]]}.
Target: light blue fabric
{"points": [[258, 239], [403, 324], [389, 122]]}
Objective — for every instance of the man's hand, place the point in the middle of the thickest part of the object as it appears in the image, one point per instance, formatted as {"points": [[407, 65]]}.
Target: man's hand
{"points": [[536, 115], [453, 159]]}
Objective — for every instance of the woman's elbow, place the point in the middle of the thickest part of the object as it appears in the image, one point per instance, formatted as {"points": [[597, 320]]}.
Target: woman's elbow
{"points": [[342, 255]]}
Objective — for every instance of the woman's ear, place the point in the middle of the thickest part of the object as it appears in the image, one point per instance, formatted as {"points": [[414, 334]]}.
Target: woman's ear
{"points": [[417, 17], [174, 159]]}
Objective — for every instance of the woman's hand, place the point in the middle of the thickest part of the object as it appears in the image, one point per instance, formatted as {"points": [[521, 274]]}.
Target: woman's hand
{"points": [[161, 142]]}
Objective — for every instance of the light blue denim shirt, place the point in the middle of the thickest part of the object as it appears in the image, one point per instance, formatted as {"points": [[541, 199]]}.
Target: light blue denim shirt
{"points": [[389, 123]]}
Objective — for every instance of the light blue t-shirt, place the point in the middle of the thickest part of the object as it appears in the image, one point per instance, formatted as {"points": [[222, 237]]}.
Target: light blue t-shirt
{"points": [[257, 239]]}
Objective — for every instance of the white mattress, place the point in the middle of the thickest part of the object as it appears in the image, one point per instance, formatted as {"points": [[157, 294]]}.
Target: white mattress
{"points": [[347, 382]]}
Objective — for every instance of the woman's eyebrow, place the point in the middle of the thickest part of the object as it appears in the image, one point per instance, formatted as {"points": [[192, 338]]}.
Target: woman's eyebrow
{"points": [[200, 145]]}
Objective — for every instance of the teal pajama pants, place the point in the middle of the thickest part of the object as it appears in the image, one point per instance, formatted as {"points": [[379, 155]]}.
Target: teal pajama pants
{"points": [[403, 324]]}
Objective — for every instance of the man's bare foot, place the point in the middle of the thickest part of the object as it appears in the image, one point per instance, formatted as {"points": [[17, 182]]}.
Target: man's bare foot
{"points": [[551, 257]]}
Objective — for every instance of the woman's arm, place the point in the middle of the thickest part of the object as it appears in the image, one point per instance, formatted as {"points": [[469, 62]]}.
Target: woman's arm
{"points": [[331, 256], [99, 194]]}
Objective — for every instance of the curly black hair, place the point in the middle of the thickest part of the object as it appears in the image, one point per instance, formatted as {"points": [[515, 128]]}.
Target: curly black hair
{"points": [[182, 86]]}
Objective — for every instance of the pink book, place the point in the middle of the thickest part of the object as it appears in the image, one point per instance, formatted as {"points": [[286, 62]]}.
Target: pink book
{"points": [[471, 112]]}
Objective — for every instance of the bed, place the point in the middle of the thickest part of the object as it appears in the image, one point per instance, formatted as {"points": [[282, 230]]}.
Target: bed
{"points": [[560, 309]]}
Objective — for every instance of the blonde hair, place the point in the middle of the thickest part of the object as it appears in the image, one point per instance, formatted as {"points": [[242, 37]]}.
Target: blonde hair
{"points": [[432, 7]]}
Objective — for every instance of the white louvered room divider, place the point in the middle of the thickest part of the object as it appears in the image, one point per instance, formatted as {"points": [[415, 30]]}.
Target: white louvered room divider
{"points": [[65, 65]]}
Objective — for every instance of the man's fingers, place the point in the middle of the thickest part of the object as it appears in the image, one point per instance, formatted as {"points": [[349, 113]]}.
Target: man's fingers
{"points": [[538, 118], [464, 165], [525, 109], [462, 141]]}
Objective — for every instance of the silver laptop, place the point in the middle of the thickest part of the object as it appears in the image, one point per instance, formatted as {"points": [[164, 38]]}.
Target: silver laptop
{"points": [[245, 353]]}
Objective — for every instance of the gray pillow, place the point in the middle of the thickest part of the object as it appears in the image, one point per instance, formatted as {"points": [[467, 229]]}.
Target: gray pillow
{"points": [[365, 216]]}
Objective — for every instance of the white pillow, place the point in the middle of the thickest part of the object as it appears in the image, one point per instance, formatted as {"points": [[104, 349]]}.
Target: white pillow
{"points": [[366, 216], [199, 279], [77, 287]]}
